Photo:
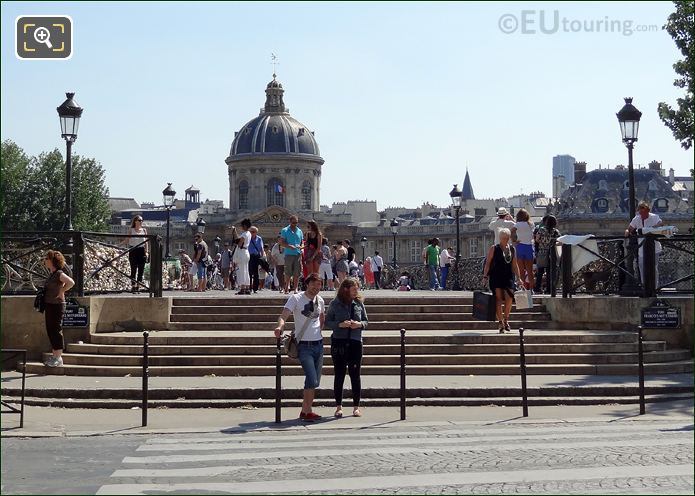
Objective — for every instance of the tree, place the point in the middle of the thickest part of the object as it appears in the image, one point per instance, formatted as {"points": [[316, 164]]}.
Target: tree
{"points": [[680, 120], [33, 192]]}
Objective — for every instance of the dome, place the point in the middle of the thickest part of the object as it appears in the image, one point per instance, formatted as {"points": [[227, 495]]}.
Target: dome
{"points": [[274, 131]]}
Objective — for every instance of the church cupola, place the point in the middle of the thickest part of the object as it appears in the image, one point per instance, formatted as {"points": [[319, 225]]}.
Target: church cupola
{"points": [[273, 98]]}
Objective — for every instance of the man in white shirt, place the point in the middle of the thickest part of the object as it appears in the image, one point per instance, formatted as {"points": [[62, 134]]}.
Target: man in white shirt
{"points": [[644, 218], [503, 220], [309, 312], [376, 266], [445, 259]]}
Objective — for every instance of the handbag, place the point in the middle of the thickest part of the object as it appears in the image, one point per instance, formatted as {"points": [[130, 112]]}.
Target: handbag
{"points": [[40, 301], [523, 298], [290, 342], [484, 306]]}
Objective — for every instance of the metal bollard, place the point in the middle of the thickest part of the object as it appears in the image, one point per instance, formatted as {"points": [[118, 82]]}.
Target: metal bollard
{"points": [[145, 374], [402, 374], [278, 381], [522, 361], [640, 357]]}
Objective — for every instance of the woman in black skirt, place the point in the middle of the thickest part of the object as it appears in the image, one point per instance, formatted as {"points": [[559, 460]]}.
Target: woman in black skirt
{"points": [[500, 268]]}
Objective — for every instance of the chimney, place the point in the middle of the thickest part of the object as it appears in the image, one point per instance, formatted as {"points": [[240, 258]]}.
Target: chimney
{"points": [[579, 172]]}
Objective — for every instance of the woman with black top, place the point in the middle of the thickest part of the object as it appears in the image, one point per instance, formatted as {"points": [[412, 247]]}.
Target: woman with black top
{"points": [[137, 256], [57, 284], [347, 317], [312, 248], [500, 268]]}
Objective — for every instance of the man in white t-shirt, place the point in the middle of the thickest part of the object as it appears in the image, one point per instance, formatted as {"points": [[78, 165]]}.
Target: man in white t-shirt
{"points": [[503, 220], [309, 312], [644, 218], [445, 259], [376, 266]]}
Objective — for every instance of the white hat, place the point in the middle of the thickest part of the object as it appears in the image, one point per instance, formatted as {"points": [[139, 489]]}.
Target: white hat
{"points": [[502, 211]]}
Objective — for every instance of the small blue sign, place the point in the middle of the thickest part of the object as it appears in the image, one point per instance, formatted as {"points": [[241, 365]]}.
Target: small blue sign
{"points": [[76, 315], [660, 314]]}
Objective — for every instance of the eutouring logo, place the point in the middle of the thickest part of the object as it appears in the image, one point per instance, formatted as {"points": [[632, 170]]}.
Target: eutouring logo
{"points": [[546, 22]]}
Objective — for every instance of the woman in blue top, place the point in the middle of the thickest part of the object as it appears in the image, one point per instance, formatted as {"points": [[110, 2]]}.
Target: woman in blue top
{"points": [[347, 317]]}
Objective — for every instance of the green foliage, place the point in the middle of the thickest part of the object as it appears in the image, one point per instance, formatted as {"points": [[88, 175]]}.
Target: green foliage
{"points": [[33, 192], [680, 120]]}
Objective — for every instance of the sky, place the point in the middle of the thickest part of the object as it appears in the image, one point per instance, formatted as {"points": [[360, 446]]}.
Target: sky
{"points": [[403, 97]]}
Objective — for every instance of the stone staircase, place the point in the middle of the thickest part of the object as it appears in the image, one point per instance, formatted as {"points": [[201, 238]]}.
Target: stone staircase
{"points": [[233, 337]]}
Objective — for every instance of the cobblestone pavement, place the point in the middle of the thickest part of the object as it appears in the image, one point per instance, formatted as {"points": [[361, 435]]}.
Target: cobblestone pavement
{"points": [[627, 457]]}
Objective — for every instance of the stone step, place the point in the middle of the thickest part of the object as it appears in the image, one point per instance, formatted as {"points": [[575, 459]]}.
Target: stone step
{"points": [[376, 349], [219, 338], [677, 367], [371, 297], [458, 325], [371, 309], [371, 359], [373, 318]]}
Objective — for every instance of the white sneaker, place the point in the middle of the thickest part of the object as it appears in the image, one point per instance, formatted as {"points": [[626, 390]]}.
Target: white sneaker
{"points": [[54, 362]]}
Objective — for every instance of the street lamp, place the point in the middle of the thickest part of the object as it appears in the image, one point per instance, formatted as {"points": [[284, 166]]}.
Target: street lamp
{"points": [[455, 195], [218, 240], [629, 117], [363, 244], [69, 113], [168, 194], [200, 225], [394, 230]]}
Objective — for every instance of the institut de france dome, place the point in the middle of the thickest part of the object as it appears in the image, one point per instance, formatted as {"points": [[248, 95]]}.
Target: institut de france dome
{"points": [[274, 160]]}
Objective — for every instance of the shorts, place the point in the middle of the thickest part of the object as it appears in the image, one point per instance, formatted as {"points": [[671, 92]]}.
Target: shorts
{"points": [[325, 271], [225, 272], [293, 266], [524, 252], [202, 271]]}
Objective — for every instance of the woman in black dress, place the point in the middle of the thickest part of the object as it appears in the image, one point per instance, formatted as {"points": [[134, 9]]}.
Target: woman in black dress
{"points": [[500, 268]]}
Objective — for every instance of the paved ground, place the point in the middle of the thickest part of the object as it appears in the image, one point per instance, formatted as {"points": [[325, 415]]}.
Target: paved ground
{"points": [[483, 450]]}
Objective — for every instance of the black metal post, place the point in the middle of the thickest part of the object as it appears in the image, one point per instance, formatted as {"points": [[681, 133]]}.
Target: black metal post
{"points": [[78, 264], [68, 185], [522, 361], [394, 251], [24, 376], [402, 374], [156, 249], [649, 266], [552, 268], [278, 380], [640, 357], [457, 286], [168, 221], [145, 374], [566, 266], [631, 179]]}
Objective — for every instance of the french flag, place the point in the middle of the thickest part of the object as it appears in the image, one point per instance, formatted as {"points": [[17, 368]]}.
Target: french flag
{"points": [[279, 189]]}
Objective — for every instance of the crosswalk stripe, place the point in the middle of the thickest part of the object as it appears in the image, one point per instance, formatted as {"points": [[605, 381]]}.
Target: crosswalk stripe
{"points": [[320, 441], [402, 480], [372, 432], [200, 471], [404, 449]]}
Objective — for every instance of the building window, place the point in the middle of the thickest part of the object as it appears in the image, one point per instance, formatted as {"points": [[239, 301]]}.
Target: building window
{"points": [[415, 250], [243, 195], [306, 195], [276, 192], [473, 247], [178, 245], [480, 212]]}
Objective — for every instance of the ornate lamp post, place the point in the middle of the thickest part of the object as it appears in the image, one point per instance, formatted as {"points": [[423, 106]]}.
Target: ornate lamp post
{"points": [[69, 113], [168, 194], [200, 225], [455, 195], [363, 244], [629, 117], [394, 231]]}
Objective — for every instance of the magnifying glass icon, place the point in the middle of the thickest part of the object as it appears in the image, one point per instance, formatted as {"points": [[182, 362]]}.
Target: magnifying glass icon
{"points": [[43, 35]]}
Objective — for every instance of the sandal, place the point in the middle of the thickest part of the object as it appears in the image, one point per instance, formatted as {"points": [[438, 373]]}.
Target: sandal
{"points": [[356, 412], [501, 327], [338, 413], [506, 326]]}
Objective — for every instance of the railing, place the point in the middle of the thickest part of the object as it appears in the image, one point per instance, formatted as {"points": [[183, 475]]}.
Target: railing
{"points": [[94, 260]]}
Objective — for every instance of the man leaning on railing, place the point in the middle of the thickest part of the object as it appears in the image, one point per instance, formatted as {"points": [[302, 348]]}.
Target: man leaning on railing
{"points": [[643, 219]]}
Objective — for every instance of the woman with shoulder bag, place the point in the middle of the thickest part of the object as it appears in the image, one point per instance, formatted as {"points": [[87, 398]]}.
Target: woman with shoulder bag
{"points": [[137, 256], [500, 268], [57, 284], [347, 317]]}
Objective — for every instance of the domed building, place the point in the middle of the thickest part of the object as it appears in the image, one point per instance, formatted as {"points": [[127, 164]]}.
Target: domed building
{"points": [[274, 161]]}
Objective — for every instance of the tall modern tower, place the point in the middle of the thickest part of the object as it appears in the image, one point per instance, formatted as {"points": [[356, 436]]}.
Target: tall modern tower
{"points": [[563, 165]]}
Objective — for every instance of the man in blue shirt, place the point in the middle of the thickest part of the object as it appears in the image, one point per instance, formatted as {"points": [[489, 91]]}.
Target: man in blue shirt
{"points": [[255, 252], [291, 240]]}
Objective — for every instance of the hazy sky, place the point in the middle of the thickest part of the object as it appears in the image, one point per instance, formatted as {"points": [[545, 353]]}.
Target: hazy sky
{"points": [[402, 97]]}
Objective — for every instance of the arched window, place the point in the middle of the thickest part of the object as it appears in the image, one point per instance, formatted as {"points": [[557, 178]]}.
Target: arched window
{"points": [[306, 195], [276, 192], [243, 195]]}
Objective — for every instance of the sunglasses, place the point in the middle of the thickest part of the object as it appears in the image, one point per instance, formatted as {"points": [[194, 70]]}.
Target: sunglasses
{"points": [[138, 220]]}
